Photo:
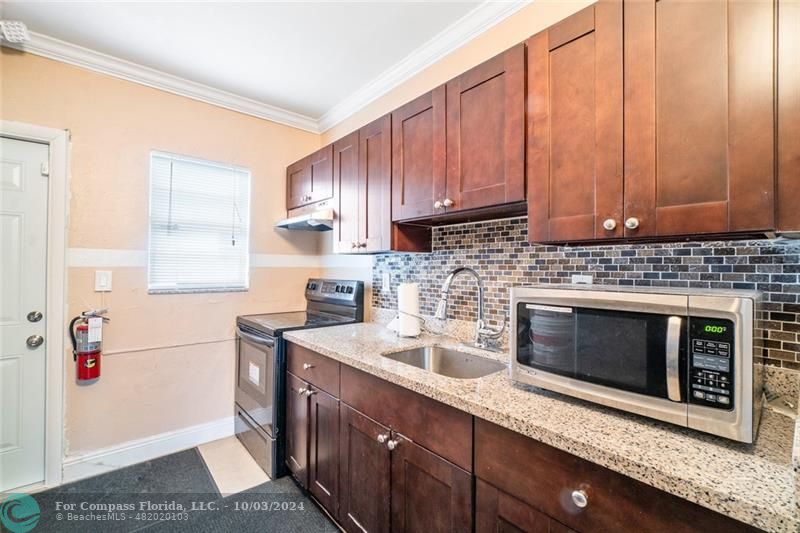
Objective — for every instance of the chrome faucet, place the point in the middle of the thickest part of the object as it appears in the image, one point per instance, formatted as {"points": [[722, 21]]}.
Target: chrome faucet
{"points": [[482, 332]]}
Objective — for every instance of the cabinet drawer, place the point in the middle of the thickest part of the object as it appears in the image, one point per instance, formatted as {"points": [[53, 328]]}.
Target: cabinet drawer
{"points": [[314, 368], [442, 429], [546, 478]]}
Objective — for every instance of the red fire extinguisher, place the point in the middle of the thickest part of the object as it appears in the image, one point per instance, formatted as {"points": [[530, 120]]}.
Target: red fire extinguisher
{"points": [[87, 347]]}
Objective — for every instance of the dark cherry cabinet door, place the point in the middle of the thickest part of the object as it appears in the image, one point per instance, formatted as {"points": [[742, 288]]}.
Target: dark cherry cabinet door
{"points": [[498, 512], [428, 493], [365, 465], [788, 115], [575, 126], [310, 179], [375, 182], [418, 156], [486, 133], [297, 428], [699, 118], [346, 181], [323, 462]]}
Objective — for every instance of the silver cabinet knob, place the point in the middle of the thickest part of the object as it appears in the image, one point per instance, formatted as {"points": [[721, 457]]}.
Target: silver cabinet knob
{"points": [[310, 392], [580, 498], [392, 444], [609, 224], [307, 366], [34, 316], [34, 341], [302, 390], [448, 202], [437, 204], [383, 438], [353, 245], [632, 223], [362, 245]]}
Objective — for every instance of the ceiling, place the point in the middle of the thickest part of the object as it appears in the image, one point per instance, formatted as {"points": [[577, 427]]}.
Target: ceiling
{"points": [[302, 57]]}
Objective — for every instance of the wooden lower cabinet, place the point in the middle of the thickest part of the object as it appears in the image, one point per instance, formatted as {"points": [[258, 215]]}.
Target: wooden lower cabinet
{"points": [[323, 457], [428, 493], [499, 512], [297, 428], [365, 466]]}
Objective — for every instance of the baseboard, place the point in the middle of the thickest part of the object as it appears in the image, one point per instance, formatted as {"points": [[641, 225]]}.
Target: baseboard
{"points": [[136, 451]]}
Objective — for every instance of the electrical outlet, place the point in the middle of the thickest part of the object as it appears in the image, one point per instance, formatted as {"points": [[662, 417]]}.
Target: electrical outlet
{"points": [[582, 279], [102, 281], [385, 281]]}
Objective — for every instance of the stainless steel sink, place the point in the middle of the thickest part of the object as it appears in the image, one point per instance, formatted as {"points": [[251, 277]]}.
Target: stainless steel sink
{"points": [[447, 362]]}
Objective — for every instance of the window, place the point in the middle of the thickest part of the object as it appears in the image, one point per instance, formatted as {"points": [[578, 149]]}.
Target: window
{"points": [[199, 225]]}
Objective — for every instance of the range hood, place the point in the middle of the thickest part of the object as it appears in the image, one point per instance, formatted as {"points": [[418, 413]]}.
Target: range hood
{"points": [[319, 220]]}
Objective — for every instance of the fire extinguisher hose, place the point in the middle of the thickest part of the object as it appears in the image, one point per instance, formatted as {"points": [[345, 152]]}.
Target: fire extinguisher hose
{"points": [[72, 337]]}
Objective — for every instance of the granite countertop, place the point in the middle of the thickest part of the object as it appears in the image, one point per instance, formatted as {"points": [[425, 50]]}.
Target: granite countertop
{"points": [[756, 484]]}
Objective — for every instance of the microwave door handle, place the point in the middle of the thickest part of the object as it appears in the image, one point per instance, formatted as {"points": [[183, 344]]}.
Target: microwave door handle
{"points": [[673, 358], [256, 340]]}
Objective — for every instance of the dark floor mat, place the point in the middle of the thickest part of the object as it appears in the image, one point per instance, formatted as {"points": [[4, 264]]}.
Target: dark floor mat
{"points": [[141, 492]]}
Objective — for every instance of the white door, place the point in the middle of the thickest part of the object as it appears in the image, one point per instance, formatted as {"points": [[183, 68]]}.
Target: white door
{"points": [[23, 270]]}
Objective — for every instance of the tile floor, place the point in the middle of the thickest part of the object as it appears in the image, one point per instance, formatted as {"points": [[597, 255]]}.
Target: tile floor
{"points": [[214, 488]]}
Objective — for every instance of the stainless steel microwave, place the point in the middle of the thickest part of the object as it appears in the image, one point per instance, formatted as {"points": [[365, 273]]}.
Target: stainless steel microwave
{"points": [[684, 357]]}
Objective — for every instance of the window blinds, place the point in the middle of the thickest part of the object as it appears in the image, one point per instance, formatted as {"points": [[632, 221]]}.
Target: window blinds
{"points": [[199, 225]]}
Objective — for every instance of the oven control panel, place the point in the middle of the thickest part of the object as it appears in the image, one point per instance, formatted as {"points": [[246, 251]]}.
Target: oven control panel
{"points": [[343, 291], [711, 369]]}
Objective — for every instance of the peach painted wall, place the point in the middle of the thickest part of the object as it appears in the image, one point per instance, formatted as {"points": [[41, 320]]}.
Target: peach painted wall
{"points": [[171, 357], [530, 20]]}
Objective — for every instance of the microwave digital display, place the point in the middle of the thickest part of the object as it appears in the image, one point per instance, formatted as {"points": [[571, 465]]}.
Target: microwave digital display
{"points": [[716, 330]]}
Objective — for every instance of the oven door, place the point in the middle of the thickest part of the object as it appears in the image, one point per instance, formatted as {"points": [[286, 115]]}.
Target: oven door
{"points": [[625, 350], [255, 379]]}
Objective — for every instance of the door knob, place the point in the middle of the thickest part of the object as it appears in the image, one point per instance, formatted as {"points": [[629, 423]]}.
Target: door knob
{"points": [[34, 341], [632, 223], [609, 224], [580, 498], [448, 202], [34, 316], [437, 204]]}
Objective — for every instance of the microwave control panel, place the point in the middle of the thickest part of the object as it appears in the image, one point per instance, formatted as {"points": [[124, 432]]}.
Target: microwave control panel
{"points": [[711, 370]]}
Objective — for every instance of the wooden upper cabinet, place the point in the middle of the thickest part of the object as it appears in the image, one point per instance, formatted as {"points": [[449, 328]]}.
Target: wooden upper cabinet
{"points": [[310, 179], [699, 121], [788, 115], [346, 182], [375, 182], [575, 126], [486, 134], [418, 156]]}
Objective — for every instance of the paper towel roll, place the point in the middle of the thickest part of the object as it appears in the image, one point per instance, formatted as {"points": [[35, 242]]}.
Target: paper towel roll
{"points": [[408, 306]]}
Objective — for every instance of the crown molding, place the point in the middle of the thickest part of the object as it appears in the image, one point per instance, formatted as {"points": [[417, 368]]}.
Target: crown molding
{"points": [[72, 54], [477, 21], [480, 19]]}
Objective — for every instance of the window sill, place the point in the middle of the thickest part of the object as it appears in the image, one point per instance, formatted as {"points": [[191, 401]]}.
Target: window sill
{"points": [[197, 291]]}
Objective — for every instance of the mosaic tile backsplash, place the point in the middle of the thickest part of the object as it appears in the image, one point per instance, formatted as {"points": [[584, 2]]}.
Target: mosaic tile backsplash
{"points": [[499, 251]]}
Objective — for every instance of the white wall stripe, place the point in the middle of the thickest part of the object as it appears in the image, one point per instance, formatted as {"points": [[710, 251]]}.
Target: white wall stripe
{"points": [[110, 258]]}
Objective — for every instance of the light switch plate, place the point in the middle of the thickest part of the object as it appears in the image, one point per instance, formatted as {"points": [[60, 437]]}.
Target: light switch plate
{"points": [[385, 281], [102, 281]]}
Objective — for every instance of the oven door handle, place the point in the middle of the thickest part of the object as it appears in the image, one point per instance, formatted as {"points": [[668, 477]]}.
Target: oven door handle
{"points": [[673, 358], [270, 343]]}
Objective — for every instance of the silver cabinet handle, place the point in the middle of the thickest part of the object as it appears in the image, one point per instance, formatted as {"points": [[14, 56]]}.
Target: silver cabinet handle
{"points": [[34, 316], [353, 245], [34, 341], [310, 392], [362, 245], [307, 366], [392, 444], [673, 358], [609, 224], [383, 438], [448, 202], [632, 223], [302, 390], [437, 204], [580, 498]]}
